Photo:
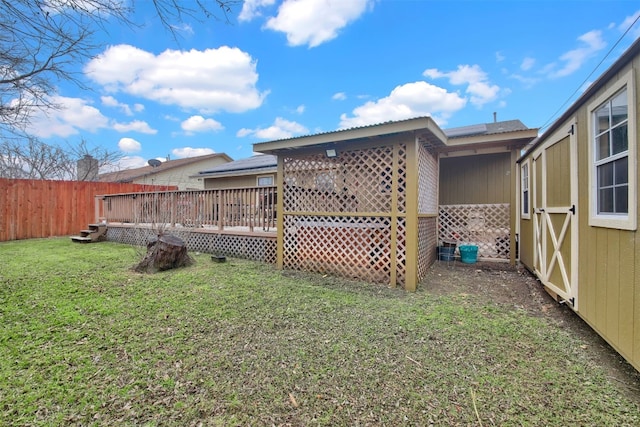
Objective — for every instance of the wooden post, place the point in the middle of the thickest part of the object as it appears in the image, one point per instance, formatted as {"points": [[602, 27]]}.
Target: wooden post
{"points": [[280, 214], [411, 238]]}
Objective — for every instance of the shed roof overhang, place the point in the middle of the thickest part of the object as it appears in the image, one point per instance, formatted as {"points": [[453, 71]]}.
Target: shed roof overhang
{"points": [[491, 143], [423, 128]]}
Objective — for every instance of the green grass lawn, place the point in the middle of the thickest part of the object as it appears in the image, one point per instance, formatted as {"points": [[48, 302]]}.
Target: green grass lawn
{"points": [[85, 341]]}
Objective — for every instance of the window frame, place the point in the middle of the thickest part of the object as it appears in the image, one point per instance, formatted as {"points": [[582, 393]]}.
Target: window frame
{"points": [[620, 221], [259, 177], [525, 166]]}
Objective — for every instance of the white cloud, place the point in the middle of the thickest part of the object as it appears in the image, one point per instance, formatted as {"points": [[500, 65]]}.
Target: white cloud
{"points": [[630, 20], [499, 57], [183, 28], [222, 79], [129, 145], [477, 81], [74, 114], [526, 81], [200, 124], [281, 129], [313, 22], [300, 109], [404, 102], [185, 152], [110, 101], [251, 9], [527, 63], [138, 108], [340, 96], [572, 60], [135, 126]]}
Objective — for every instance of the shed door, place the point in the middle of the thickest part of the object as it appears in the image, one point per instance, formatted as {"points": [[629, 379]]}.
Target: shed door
{"points": [[555, 221]]}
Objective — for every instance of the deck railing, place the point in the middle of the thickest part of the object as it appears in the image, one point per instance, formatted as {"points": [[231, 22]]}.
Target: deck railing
{"points": [[248, 209]]}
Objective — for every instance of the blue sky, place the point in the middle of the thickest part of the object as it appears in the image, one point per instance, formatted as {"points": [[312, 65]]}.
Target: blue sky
{"points": [[285, 68]]}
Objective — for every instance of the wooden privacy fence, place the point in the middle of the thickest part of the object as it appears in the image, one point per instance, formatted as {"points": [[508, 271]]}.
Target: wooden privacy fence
{"points": [[39, 208], [240, 209]]}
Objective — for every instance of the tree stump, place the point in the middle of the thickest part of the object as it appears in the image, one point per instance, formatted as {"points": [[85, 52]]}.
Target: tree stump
{"points": [[164, 253]]}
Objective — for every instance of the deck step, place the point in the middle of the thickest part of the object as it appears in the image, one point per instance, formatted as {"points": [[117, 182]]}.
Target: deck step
{"points": [[95, 233]]}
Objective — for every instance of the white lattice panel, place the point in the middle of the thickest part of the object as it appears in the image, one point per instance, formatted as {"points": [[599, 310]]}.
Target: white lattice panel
{"points": [[401, 251], [402, 179], [255, 248], [427, 241], [427, 182], [486, 226]]}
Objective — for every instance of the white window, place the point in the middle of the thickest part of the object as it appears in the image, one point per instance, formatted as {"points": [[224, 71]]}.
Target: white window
{"points": [[612, 174], [265, 181], [524, 190]]}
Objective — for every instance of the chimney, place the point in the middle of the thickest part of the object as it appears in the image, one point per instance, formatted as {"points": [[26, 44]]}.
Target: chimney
{"points": [[495, 117], [87, 168]]}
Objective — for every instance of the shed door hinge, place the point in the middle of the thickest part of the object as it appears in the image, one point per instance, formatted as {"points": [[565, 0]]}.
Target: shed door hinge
{"points": [[573, 209], [571, 130]]}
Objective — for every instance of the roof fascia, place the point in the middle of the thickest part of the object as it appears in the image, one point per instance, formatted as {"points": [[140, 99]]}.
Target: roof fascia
{"points": [[527, 134], [424, 124]]}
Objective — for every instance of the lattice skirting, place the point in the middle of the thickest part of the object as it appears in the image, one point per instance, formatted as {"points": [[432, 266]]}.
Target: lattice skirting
{"points": [[486, 226], [352, 247], [256, 248], [427, 240]]}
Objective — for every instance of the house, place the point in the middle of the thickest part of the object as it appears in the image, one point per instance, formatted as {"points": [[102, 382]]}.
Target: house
{"points": [[364, 202], [178, 172], [578, 206], [256, 171]]}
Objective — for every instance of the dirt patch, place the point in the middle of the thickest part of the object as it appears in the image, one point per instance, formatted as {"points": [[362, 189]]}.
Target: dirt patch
{"points": [[517, 288]]}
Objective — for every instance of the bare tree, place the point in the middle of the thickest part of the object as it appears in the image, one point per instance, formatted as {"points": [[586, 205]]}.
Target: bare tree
{"points": [[30, 158], [41, 41]]}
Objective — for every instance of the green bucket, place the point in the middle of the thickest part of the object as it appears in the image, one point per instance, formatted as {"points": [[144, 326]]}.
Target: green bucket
{"points": [[469, 254]]}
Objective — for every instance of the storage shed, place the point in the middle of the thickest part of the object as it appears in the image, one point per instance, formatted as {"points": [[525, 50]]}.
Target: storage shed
{"points": [[578, 210]]}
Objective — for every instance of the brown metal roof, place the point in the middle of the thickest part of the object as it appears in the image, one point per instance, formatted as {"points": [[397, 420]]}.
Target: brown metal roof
{"points": [[424, 127], [428, 132]]}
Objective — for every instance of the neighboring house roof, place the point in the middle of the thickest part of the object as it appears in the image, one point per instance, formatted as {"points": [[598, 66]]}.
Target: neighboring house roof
{"points": [[486, 129], [609, 74], [260, 163], [129, 175], [512, 134]]}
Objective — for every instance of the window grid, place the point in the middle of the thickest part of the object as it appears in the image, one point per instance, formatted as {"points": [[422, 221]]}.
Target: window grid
{"points": [[611, 146], [524, 185]]}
